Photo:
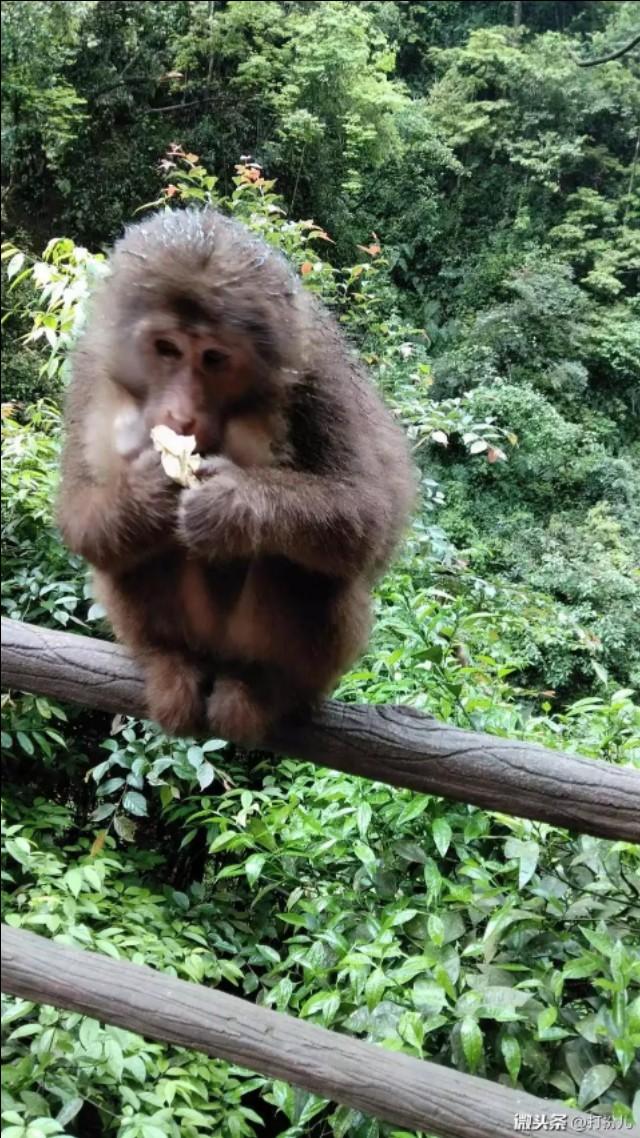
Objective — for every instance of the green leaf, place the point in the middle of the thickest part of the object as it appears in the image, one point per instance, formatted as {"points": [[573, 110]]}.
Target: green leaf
{"points": [[403, 917], [253, 867], [411, 851], [472, 1042], [73, 881], [442, 835], [90, 1034], [194, 756], [26, 743], [92, 877], [435, 928], [528, 862], [328, 1003], [135, 803], [111, 785], [582, 967], [374, 988], [15, 264], [512, 1056], [412, 967], [594, 1083], [125, 828], [114, 1057], [206, 774], [134, 1064], [103, 812], [363, 817], [68, 1112], [364, 853], [411, 1029]]}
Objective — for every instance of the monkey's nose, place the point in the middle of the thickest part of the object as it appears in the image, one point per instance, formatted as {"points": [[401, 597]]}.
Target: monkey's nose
{"points": [[180, 423]]}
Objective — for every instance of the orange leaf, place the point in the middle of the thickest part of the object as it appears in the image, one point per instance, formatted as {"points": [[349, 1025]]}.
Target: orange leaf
{"points": [[192, 158], [170, 191], [98, 844], [306, 268], [322, 235], [371, 250], [495, 455]]}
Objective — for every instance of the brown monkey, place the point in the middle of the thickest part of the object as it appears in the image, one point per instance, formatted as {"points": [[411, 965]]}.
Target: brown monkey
{"points": [[245, 597]]}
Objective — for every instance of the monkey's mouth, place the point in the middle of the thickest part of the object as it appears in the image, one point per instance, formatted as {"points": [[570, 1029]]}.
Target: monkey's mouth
{"points": [[206, 447]]}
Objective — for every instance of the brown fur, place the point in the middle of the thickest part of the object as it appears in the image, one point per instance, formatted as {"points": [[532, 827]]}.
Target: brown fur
{"points": [[254, 586]]}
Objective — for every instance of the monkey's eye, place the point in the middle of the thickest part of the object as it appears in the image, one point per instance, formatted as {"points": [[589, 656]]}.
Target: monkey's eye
{"points": [[212, 359], [167, 349]]}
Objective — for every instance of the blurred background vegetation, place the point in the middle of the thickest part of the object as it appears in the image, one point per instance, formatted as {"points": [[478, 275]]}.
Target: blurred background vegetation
{"points": [[459, 181]]}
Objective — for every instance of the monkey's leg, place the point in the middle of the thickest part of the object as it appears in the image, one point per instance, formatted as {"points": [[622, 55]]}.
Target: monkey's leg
{"points": [[174, 692], [248, 699], [290, 634], [235, 711]]}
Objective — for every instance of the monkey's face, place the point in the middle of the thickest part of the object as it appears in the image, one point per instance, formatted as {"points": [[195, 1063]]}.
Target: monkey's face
{"points": [[190, 378]]}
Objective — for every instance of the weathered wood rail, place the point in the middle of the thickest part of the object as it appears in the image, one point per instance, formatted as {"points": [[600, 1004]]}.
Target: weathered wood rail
{"points": [[389, 744], [396, 745], [393, 1087]]}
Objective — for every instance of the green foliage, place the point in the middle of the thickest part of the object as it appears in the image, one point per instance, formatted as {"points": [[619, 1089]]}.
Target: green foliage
{"points": [[41, 582], [474, 196], [41, 109]]}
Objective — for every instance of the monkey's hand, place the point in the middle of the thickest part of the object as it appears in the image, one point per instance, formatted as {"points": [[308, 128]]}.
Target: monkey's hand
{"points": [[221, 519], [151, 489]]}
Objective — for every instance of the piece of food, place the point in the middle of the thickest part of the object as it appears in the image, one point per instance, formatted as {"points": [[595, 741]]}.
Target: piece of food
{"points": [[177, 452]]}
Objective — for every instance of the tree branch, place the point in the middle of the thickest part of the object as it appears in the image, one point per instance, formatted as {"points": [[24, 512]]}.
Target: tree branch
{"points": [[608, 58]]}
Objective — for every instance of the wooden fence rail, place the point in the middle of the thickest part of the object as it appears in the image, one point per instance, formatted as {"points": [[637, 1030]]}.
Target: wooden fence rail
{"points": [[385, 1084], [396, 745]]}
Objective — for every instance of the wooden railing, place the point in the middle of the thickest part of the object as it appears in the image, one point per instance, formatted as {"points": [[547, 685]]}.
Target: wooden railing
{"points": [[389, 744], [396, 745]]}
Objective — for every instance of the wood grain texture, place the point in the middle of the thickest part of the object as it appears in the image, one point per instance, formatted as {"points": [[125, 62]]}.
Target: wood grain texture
{"points": [[393, 1087], [396, 745]]}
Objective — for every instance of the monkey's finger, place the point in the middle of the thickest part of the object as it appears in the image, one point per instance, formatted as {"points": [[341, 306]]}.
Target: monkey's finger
{"points": [[209, 467]]}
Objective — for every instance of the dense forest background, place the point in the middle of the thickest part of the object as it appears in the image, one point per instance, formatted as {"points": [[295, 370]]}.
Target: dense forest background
{"points": [[460, 182]]}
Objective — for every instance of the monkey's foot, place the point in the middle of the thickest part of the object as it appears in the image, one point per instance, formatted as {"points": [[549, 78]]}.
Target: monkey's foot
{"points": [[174, 696], [234, 713]]}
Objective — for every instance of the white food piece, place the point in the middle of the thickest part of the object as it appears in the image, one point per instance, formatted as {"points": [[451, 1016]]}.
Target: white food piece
{"points": [[177, 452]]}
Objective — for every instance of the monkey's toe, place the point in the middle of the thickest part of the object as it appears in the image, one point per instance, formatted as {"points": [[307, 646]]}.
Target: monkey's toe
{"points": [[234, 713]]}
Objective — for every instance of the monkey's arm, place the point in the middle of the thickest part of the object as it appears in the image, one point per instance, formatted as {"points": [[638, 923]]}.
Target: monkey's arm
{"points": [[327, 524], [122, 523]]}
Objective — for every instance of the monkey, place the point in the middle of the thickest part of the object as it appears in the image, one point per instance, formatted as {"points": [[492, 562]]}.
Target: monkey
{"points": [[245, 597]]}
